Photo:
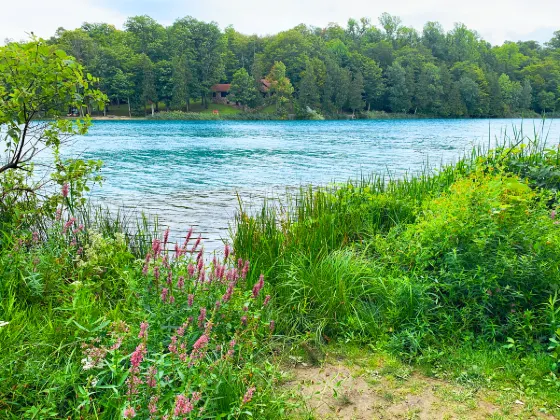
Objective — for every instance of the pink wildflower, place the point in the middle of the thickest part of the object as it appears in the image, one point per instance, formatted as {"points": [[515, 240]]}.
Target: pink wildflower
{"points": [[258, 286], [197, 243], [245, 270], [151, 381], [138, 355], [196, 396], [164, 293], [190, 269], [129, 413], [189, 234], [156, 247], [65, 190], [190, 300], [35, 237], [170, 277], [266, 300], [202, 316], [272, 325], [180, 283], [156, 272], [173, 345], [248, 395], [201, 342], [226, 252], [244, 320], [165, 238], [199, 262], [68, 224], [228, 293], [182, 405], [152, 406], [58, 214]]}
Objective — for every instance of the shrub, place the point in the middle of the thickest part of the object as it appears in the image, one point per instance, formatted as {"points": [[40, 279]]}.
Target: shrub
{"points": [[193, 355], [487, 251]]}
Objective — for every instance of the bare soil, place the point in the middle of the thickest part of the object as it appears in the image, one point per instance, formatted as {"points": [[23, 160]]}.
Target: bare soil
{"points": [[338, 391]]}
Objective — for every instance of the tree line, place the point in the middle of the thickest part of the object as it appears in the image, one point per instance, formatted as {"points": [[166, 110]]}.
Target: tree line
{"points": [[361, 67]]}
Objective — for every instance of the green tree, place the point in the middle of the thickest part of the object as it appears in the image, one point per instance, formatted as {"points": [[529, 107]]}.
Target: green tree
{"points": [[390, 24], [243, 88], [356, 92], [149, 92], [41, 82], [429, 90], [280, 87], [433, 37], [399, 97], [526, 95], [122, 88], [470, 93], [180, 78], [308, 94]]}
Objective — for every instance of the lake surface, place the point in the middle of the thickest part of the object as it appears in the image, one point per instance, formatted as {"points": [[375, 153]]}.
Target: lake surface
{"points": [[189, 173]]}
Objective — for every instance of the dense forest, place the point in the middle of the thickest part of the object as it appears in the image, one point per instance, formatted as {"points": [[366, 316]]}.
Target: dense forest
{"points": [[363, 67]]}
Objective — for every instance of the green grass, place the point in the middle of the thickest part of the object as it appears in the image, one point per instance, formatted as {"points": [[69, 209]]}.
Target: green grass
{"points": [[463, 257], [221, 108], [453, 271]]}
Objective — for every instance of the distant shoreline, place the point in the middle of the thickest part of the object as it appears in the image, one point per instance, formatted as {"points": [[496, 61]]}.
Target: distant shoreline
{"points": [[210, 117]]}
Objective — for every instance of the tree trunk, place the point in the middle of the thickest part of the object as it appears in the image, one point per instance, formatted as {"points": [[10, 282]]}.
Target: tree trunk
{"points": [[129, 113], [104, 110], [152, 109]]}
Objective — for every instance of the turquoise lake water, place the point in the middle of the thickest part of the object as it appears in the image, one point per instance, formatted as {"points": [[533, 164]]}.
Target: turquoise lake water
{"points": [[188, 173]]}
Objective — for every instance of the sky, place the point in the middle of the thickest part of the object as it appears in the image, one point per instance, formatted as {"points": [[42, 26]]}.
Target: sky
{"points": [[495, 20]]}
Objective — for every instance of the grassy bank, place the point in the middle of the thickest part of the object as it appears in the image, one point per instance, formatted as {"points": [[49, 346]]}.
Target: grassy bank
{"points": [[449, 277], [454, 270]]}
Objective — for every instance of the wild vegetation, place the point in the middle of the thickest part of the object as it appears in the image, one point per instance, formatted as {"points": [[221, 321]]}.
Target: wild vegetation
{"points": [[453, 270], [332, 70]]}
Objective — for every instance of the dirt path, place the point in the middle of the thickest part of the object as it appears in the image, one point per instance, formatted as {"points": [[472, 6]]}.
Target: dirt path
{"points": [[338, 391]]}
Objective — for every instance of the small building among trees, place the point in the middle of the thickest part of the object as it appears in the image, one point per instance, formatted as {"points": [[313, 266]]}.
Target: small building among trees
{"points": [[221, 92]]}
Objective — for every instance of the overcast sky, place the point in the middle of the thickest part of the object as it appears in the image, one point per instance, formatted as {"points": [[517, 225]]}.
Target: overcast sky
{"points": [[495, 20]]}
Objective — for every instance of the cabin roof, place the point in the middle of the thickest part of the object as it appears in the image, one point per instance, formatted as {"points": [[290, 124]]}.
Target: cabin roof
{"points": [[221, 87]]}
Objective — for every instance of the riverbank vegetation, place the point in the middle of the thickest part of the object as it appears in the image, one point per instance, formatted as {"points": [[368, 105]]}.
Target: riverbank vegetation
{"points": [[333, 70], [451, 271]]}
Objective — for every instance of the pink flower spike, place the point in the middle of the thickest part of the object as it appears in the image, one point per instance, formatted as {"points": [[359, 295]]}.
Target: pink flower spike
{"points": [[182, 405], [258, 286], [188, 237], [180, 283], [164, 293], [165, 238], [65, 189], [266, 300], [202, 316], [138, 355], [272, 325], [143, 330], [129, 413], [248, 395]]}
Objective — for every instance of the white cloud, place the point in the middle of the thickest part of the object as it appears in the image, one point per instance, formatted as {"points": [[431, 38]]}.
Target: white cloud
{"points": [[44, 17], [495, 20]]}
